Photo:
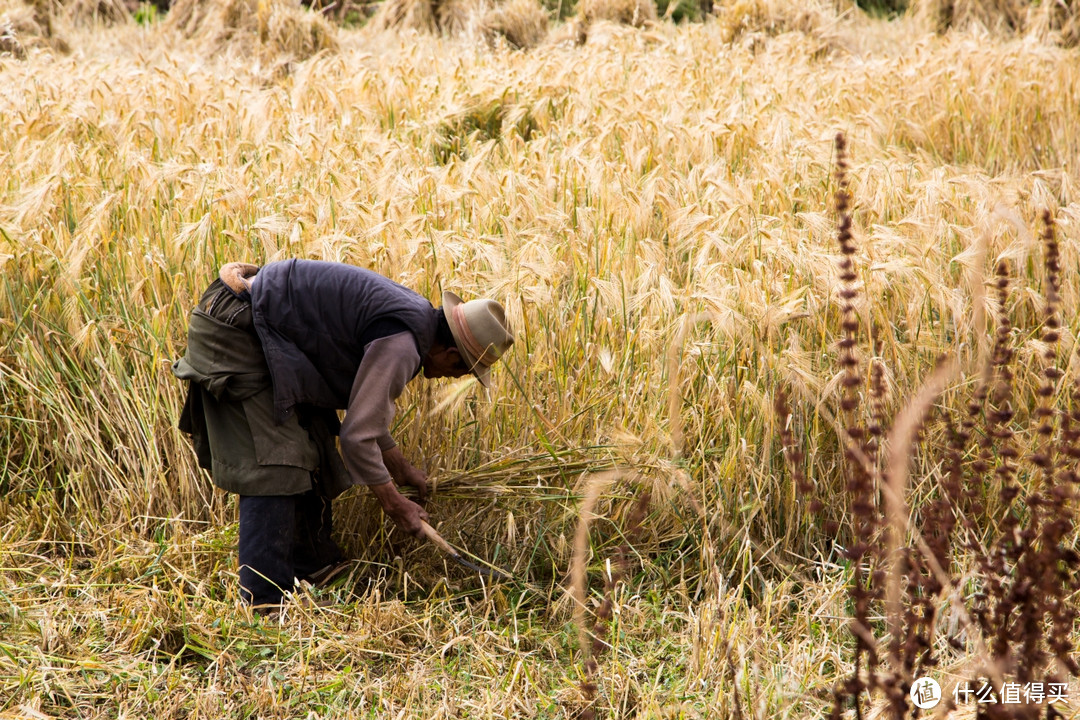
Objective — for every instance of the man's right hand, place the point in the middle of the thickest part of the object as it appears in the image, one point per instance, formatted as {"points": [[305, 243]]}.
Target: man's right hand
{"points": [[404, 512]]}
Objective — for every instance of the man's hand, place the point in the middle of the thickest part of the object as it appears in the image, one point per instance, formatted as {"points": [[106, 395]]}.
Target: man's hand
{"points": [[404, 473], [417, 479], [404, 512]]}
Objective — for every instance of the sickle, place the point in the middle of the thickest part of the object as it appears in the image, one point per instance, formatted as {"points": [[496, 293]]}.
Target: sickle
{"points": [[490, 571]]}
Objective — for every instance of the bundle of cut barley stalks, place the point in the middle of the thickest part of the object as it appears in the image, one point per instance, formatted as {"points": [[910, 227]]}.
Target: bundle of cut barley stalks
{"points": [[521, 24], [271, 28], [25, 27], [546, 475], [1055, 21], [637, 13]]}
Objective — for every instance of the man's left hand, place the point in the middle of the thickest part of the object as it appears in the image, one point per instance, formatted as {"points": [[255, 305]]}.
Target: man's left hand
{"points": [[404, 473]]}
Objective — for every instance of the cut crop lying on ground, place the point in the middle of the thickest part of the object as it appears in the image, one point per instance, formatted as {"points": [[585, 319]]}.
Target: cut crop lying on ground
{"points": [[663, 244]]}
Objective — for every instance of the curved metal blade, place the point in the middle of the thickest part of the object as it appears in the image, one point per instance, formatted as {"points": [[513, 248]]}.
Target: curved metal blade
{"points": [[488, 571], [492, 572]]}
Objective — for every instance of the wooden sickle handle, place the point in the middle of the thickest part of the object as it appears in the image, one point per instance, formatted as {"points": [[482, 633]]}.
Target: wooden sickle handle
{"points": [[431, 534]]}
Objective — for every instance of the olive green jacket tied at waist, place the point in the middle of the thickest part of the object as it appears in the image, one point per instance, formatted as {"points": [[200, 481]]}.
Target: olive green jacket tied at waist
{"points": [[229, 411]]}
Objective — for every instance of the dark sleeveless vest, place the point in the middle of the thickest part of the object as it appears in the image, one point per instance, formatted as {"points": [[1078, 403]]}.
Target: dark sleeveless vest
{"points": [[314, 319]]}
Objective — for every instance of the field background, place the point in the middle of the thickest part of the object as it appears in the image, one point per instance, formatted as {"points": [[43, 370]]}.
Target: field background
{"points": [[654, 208]]}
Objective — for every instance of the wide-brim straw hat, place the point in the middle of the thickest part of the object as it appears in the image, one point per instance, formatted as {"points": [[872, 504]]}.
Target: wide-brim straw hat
{"points": [[480, 332]]}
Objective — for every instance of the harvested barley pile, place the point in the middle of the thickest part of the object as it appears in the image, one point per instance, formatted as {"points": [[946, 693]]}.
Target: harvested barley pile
{"points": [[625, 12], [1058, 20], [27, 27], [458, 17], [270, 28], [97, 12], [575, 31], [417, 15], [999, 15], [449, 17], [757, 18], [521, 23]]}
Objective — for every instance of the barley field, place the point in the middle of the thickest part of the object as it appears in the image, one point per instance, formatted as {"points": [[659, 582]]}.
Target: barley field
{"points": [[724, 459]]}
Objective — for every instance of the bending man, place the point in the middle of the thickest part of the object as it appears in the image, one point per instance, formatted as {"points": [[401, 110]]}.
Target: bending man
{"points": [[272, 354]]}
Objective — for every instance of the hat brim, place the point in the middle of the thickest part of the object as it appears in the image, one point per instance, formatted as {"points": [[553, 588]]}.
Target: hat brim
{"points": [[482, 372]]}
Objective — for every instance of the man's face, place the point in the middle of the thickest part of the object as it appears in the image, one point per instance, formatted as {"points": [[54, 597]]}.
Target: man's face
{"points": [[444, 362]]}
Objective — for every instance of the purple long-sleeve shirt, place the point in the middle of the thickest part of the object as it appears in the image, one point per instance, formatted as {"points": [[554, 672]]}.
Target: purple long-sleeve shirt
{"points": [[388, 364]]}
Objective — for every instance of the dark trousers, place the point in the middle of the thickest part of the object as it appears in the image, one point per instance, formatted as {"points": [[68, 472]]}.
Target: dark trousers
{"points": [[283, 537]]}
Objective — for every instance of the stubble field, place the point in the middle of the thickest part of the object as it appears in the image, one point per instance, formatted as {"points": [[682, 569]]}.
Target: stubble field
{"points": [[655, 208]]}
